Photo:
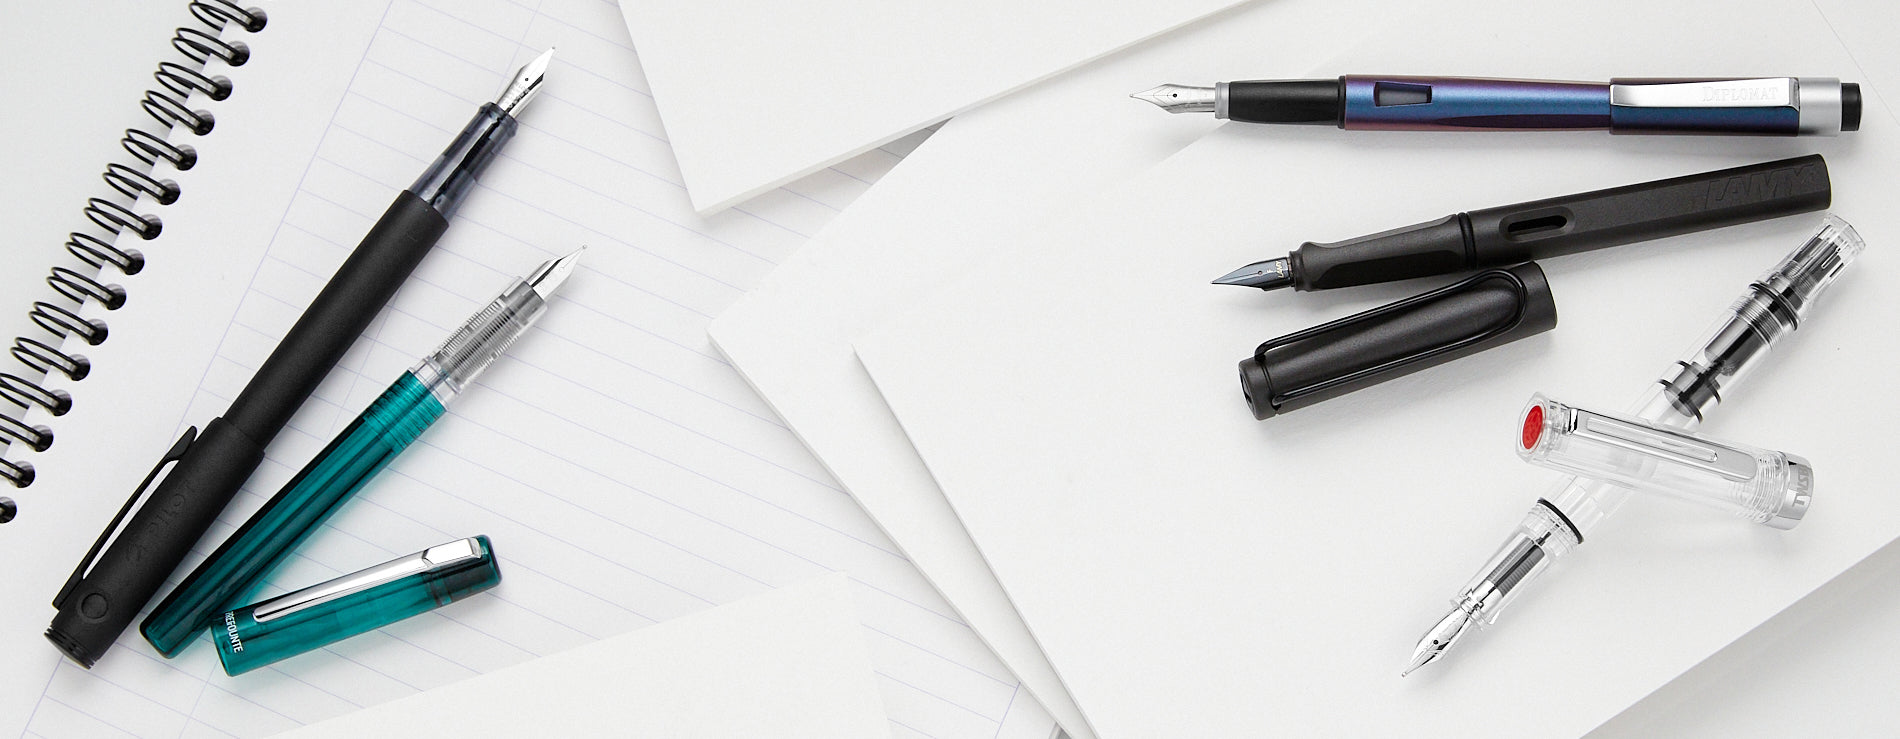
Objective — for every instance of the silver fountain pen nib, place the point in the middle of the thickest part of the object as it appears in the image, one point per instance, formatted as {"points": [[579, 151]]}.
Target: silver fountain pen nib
{"points": [[1179, 98], [1271, 274], [1439, 639], [548, 277], [526, 82]]}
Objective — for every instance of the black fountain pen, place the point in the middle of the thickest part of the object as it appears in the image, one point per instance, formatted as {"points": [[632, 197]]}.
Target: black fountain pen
{"points": [[110, 585], [1552, 227]]}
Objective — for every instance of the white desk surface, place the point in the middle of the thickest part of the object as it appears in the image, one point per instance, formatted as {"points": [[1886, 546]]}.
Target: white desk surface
{"points": [[1825, 667]]}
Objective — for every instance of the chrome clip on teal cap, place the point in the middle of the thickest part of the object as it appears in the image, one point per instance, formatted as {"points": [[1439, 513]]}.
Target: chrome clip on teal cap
{"points": [[288, 625]]}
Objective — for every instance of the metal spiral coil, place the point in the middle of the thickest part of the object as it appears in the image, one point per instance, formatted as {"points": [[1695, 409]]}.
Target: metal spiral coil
{"points": [[99, 253], [181, 82], [133, 183], [22, 391], [77, 288], [64, 323], [36, 438], [114, 217], [149, 149], [44, 358]]}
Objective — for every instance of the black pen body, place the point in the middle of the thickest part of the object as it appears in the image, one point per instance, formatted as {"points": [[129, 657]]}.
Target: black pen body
{"points": [[1565, 225], [161, 532]]}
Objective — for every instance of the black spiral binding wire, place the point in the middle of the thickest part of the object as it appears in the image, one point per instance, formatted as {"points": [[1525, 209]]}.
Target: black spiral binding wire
{"points": [[85, 280]]}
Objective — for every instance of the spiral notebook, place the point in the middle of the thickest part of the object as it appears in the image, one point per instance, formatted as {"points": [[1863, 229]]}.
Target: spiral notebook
{"points": [[625, 472]]}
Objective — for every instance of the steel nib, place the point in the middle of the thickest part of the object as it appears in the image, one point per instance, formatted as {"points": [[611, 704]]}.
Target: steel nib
{"points": [[1439, 639], [548, 277], [1179, 98], [1271, 274], [526, 82]]}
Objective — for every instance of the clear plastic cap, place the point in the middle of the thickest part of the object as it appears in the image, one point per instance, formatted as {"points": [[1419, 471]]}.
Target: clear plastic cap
{"points": [[1760, 485]]}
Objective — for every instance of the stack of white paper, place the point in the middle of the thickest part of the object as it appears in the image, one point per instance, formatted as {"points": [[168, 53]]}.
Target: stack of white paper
{"points": [[945, 205], [1191, 570]]}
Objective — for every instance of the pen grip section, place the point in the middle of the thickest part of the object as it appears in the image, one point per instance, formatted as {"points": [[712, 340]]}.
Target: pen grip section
{"points": [[1650, 210], [1431, 248], [232, 572], [453, 174], [1286, 101]]}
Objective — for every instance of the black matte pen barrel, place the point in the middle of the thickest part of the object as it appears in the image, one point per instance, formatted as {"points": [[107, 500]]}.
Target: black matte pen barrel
{"points": [[338, 315], [368, 278], [162, 531], [1565, 225]]}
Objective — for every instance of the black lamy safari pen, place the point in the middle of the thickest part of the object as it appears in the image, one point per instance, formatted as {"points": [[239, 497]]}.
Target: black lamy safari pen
{"points": [[1552, 227], [111, 584]]}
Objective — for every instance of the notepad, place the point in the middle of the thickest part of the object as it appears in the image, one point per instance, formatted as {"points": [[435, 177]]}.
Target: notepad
{"points": [[757, 94], [626, 475], [1222, 576], [789, 663]]}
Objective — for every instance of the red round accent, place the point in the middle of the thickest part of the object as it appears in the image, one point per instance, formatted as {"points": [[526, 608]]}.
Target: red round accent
{"points": [[1533, 426]]}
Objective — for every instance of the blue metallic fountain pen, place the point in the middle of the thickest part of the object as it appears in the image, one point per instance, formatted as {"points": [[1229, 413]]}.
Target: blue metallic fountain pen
{"points": [[148, 540], [228, 577], [1769, 106]]}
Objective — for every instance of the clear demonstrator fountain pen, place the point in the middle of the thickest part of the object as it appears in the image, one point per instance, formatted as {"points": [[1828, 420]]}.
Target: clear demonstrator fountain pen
{"points": [[365, 447], [1770, 309]]}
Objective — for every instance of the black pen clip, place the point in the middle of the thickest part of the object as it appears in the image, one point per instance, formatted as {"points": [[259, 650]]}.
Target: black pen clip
{"points": [[176, 453]]}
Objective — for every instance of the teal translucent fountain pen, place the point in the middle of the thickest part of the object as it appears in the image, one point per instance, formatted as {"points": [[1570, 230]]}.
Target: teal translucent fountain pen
{"points": [[364, 448]]}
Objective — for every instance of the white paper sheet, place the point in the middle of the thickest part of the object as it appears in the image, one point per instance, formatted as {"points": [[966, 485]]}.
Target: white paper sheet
{"points": [[627, 475], [789, 663], [757, 94], [984, 174], [1221, 576]]}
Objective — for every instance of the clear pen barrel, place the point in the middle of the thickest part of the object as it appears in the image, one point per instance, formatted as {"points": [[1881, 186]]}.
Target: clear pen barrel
{"points": [[1759, 485], [484, 337], [1772, 308]]}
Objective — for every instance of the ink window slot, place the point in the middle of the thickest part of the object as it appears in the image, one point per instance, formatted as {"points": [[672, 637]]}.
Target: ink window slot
{"points": [[1400, 93], [1535, 226]]}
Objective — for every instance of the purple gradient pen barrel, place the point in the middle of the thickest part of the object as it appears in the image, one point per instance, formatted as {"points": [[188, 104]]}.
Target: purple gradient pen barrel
{"points": [[1763, 106]]}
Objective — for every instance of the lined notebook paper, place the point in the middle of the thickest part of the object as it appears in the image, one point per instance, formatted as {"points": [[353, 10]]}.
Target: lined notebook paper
{"points": [[625, 472]]}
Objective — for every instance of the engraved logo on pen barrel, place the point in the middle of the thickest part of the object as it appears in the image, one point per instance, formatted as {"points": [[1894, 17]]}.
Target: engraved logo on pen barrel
{"points": [[1739, 94], [1755, 187], [162, 520], [230, 630]]}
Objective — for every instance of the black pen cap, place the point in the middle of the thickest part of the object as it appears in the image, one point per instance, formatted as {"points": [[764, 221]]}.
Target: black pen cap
{"points": [[1488, 309]]}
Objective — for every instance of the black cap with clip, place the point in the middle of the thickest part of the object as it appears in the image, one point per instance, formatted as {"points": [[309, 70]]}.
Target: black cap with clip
{"points": [[1488, 309]]}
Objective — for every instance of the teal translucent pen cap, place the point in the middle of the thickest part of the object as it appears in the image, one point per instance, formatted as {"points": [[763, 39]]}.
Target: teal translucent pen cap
{"points": [[291, 624]]}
